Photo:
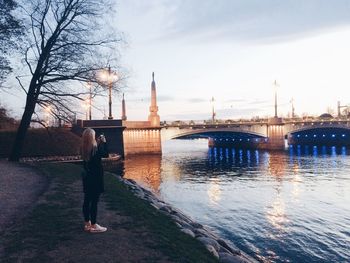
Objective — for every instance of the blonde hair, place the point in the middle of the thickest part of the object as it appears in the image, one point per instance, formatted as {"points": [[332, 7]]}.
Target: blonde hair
{"points": [[89, 144]]}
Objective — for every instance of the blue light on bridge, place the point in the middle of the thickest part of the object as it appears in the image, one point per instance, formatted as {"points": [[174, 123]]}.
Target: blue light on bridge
{"points": [[334, 152], [306, 135], [343, 135], [333, 135], [323, 135], [248, 140], [298, 135], [343, 150], [315, 135]]}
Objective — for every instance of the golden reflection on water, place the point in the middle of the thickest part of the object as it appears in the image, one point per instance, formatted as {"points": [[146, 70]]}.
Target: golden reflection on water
{"points": [[277, 165], [214, 191], [146, 172], [276, 212]]}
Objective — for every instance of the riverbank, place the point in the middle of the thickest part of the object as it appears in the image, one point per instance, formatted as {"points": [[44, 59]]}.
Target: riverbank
{"points": [[51, 231]]}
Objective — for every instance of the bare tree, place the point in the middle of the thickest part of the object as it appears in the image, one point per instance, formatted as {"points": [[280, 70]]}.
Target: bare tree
{"points": [[10, 31], [68, 45]]}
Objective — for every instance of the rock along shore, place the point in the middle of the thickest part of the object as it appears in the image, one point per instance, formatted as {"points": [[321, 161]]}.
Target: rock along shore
{"points": [[220, 248]]}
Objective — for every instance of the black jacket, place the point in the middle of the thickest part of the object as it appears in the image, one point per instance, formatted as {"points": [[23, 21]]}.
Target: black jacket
{"points": [[93, 182]]}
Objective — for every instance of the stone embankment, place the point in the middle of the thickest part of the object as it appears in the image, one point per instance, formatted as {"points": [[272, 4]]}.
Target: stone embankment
{"points": [[220, 248]]}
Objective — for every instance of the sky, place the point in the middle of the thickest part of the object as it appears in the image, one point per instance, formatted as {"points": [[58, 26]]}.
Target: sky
{"points": [[233, 50]]}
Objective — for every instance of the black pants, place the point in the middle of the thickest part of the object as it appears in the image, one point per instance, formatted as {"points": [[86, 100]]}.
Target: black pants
{"points": [[90, 207]]}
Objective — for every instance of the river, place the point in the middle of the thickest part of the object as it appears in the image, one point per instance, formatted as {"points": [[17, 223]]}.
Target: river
{"points": [[291, 206]]}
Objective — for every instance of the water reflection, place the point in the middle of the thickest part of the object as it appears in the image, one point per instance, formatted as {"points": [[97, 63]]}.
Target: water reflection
{"points": [[214, 191], [276, 165], [144, 169], [281, 203], [275, 211]]}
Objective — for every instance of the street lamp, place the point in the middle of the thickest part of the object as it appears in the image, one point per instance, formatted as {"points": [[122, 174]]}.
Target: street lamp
{"points": [[47, 114], [90, 99], [213, 110], [109, 77], [275, 89], [293, 109], [85, 105]]}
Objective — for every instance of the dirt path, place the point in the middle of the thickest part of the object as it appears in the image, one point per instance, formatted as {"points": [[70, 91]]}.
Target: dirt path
{"points": [[48, 227], [20, 187]]}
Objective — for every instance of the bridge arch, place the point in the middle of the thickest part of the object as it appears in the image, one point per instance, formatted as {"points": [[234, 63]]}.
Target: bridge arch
{"points": [[338, 135], [228, 133]]}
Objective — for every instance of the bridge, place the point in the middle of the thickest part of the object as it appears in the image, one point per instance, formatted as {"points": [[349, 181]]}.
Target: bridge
{"points": [[145, 137], [268, 134]]}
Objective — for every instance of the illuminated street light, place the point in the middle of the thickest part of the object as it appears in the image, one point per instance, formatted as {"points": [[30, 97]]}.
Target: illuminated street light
{"points": [[108, 77]]}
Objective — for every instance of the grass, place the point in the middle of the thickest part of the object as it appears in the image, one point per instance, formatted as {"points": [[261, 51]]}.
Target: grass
{"points": [[56, 219], [42, 142], [177, 245]]}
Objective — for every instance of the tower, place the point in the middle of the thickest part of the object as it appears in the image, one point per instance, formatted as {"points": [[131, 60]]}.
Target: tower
{"points": [[123, 109], [153, 116]]}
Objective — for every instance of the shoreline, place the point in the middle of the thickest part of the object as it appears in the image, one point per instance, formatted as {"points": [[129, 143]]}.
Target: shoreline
{"points": [[52, 230], [222, 249]]}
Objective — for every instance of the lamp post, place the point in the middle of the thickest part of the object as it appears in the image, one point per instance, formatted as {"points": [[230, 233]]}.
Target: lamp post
{"points": [[110, 117], [90, 99], [47, 115], [213, 110], [85, 105], [109, 77], [275, 88], [293, 109]]}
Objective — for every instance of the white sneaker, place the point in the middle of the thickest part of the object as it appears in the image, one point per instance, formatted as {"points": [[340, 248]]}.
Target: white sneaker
{"points": [[96, 228], [87, 227]]}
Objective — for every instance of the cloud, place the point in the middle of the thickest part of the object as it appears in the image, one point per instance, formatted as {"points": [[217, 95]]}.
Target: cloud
{"points": [[237, 112], [197, 100], [220, 114], [235, 101], [260, 102], [255, 20], [148, 99], [164, 98]]}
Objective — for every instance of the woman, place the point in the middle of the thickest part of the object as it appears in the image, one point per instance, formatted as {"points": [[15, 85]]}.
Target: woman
{"points": [[93, 183]]}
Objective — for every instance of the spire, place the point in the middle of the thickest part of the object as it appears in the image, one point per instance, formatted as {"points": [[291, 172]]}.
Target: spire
{"points": [[153, 116], [153, 84], [123, 109]]}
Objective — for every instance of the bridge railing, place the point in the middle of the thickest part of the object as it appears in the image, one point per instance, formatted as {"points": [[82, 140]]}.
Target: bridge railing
{"points": [[221, 123]]}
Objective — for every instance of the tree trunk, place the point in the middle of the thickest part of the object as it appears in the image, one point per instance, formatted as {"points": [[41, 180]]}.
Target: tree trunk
{"points": [[22, 129]]}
